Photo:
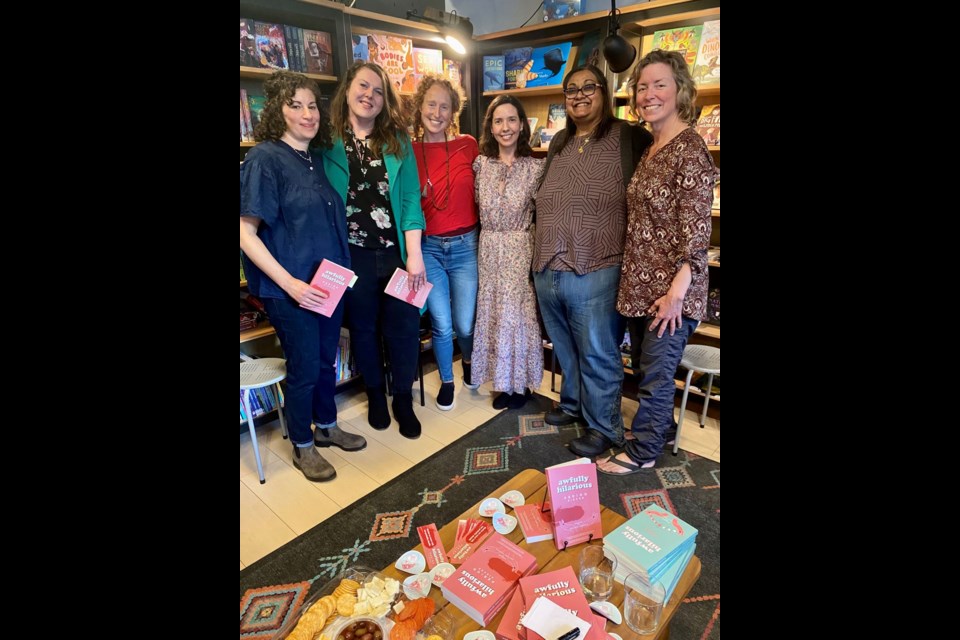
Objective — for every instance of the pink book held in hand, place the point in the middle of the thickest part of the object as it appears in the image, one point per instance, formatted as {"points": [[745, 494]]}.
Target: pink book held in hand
{"points": [[333, 280], [399, 287]]}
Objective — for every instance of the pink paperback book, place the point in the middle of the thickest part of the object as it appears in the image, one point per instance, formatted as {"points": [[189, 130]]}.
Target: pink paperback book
{"points": [[399, 287]]}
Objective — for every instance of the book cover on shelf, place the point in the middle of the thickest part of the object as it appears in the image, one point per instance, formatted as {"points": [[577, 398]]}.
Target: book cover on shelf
{"points": [[272, 46], [548, 67], [575, 502], [535, 523], [556, 116], [515, 60], [706, 70], [395, 55], [361, 52], [708, 124], [399, 287], [493, 73], [453, 70], [318, 51], [560, 9], [249, 54], [334, 280], [426, 61], [686, 40]]}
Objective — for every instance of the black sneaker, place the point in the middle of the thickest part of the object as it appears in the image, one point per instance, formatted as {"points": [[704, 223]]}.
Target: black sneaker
{"points": [[502, 401], [559, 418], [468, 376], [445, 397]]}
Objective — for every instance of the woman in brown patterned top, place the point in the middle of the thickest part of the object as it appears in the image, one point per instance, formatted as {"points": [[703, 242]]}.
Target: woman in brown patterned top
{"points": [[663, 288], [507, 348]]}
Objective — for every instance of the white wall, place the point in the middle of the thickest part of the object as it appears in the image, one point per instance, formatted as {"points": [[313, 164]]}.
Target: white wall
{"points": [[488, 16]]}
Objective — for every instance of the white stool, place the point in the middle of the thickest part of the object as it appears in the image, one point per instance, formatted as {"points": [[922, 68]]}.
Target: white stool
{"points": [[697, 357], [254, 374]]}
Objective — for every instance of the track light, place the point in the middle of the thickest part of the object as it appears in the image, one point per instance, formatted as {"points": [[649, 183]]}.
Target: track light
{"points": [[456, 30], [618, 53]]}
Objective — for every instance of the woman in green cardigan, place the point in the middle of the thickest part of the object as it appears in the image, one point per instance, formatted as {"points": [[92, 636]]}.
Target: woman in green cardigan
{"points": [[372, 166]]}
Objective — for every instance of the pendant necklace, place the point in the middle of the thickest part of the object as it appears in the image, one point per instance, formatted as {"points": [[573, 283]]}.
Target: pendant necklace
{"points": [[583, 143], [428, 187], [304, 155], [360, 146]]}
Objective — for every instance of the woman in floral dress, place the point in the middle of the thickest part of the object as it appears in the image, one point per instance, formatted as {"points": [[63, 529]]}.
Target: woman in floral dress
{"points": [[507, 347]]}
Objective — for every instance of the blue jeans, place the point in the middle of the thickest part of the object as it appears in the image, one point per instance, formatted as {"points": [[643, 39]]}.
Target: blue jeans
{"points": [[373, 312], [580, 314], [452, 270], [309, 341], [656, 359]]}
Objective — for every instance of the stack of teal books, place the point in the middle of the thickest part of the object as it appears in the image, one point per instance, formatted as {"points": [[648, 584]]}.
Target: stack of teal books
{"points": [[654, 543]]}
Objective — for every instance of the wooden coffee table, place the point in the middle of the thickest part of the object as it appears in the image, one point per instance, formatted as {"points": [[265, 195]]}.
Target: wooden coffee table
{"points": [[532, 484]]}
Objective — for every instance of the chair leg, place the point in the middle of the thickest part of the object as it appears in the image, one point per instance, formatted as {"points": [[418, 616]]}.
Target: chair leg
{"points": [[683, 408], [706, 401], [253, 433], [420, 374], [276, 401]]}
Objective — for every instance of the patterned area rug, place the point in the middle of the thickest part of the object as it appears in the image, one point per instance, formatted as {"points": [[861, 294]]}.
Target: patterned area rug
{"points": [[376, 530]]}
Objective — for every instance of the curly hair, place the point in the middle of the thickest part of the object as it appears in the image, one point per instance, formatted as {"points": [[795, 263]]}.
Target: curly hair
{"points": [[686, 88], [457, 100], [389, 128], [280, 88], [488, 143], [606, 109]]}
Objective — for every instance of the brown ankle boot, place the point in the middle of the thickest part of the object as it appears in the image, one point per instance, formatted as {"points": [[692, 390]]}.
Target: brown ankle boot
{"points": [[312, 464]]}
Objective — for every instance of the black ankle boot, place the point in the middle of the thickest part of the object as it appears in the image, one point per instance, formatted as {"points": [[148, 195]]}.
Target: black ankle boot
{"points": [[406, 418], [517, 400], [377, 414]]}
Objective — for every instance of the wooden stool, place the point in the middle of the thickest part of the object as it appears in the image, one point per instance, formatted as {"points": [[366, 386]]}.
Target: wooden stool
{"points": [[697, 357], [254, 374]]}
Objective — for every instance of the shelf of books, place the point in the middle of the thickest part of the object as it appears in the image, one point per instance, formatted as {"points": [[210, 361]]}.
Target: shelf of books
{"points": [[263, 74]]}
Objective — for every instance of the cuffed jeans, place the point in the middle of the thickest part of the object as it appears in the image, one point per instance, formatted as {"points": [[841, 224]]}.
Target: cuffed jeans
{"points": [[656, 360], [309, 341], [580, 314], [452, 270], [373, 311]]}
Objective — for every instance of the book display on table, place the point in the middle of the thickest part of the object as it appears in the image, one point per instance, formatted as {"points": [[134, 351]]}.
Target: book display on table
{"points": [[487, 579], [654, 543], [535, 522], [574, 502]]}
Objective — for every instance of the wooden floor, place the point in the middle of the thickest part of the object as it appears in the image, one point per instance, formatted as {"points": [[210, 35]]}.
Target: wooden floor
{"points": [[287, 505]]}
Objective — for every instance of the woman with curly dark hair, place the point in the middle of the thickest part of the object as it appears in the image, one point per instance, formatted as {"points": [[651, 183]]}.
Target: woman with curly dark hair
{"points": [[507, 346], [290, 220], [372, 168], [445, 159]]}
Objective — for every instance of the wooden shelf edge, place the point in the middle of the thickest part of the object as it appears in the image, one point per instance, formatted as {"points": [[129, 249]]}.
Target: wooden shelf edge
{"points": [[712, 263], [247, 144], [711, 330], [713, 147], [686, 16], [243, 283], [551, 90], [257, 332], [715, 213], [586, 17], [255, 73]]}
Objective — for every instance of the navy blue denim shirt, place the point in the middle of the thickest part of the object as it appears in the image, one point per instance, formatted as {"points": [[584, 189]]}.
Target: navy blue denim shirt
{"points": [[303, 219]]}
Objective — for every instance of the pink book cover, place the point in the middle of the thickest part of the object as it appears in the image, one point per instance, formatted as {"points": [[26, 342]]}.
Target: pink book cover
{"points": [[399, 287], [575, 501], [332, 279], [482, 584], [535, 523], [563, 588], [509, 623]]}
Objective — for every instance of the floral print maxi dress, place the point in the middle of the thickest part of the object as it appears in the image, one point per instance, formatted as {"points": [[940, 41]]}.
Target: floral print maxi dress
{"points": [[507, 347]]}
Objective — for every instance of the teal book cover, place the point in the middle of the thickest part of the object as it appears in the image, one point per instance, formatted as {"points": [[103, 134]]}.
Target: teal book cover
{"points": [[650, 539]]}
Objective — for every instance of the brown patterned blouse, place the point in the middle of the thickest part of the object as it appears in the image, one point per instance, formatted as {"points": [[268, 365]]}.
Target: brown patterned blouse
{"points": [[581, 208], [668, 223]]}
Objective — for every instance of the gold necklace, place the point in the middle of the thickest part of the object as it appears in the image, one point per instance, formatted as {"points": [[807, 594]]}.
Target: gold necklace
{"points": [[583, 144]]}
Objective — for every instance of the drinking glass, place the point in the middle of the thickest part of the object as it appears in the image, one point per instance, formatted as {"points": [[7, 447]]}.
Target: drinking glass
{"points": [[642, 603], [596, 572]]}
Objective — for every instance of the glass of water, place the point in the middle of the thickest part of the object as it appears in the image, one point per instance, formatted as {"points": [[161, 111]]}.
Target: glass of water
{"points": [[596, 572]]}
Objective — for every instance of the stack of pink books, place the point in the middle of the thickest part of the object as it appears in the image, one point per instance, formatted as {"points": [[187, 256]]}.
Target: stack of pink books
{"points": [[486, 580], [561, 587]]}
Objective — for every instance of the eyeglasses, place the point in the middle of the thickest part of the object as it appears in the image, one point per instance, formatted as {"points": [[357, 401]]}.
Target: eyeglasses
{"points": [[587, 90]]}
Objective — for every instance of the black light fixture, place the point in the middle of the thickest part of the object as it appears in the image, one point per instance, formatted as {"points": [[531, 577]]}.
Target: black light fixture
{"points": [[618, 53], [456, 30]]}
